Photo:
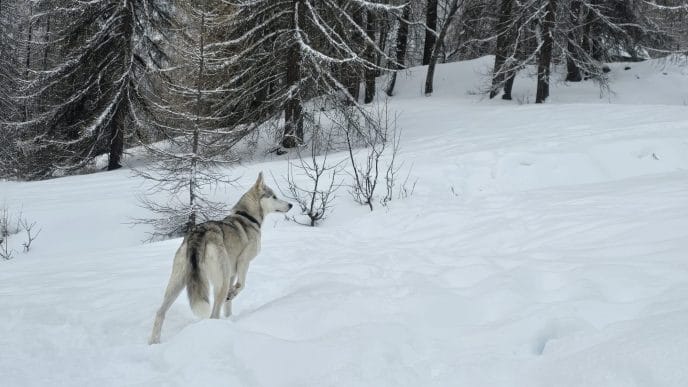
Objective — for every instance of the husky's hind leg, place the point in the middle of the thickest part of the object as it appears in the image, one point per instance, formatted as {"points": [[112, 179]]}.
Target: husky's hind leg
{"points": [[174, 287], [220, 296], [220, 277]]}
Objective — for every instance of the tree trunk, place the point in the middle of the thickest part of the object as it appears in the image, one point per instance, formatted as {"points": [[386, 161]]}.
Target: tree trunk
{"points": [[430, 37], [47, 46], [545, 54], [508, 85], [192, 180], [429, 79], [402, 43], [573, 73], [590, 42], [503, 42], [29, 41], [383, 25], [352, 73], [370, 73], [1, 53], [117, 138], [197, 122], [116, 135], [293, 120]]}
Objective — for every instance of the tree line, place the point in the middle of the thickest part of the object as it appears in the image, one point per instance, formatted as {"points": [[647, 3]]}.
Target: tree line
{"points": [[82, 79]]}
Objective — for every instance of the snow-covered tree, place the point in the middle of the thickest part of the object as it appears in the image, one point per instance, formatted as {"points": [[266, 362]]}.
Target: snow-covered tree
{"points": [[9, 66], [288, 52], [192, 136], [81, 104], [584, 33], [16, 37]]}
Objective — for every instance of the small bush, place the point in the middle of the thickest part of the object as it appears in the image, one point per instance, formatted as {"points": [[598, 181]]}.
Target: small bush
{"points": [[12, 226]]}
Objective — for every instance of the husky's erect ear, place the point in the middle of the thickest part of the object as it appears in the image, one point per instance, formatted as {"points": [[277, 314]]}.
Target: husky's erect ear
{"points": [[260, 183]]}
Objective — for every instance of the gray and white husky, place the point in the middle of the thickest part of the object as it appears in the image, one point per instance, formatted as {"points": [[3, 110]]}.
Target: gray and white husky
{"points": [[218, 252]]}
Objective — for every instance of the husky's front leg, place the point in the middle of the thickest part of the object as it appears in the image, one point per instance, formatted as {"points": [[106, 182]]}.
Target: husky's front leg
{"points": [[242, 271], [230, 297], [238, 283]]}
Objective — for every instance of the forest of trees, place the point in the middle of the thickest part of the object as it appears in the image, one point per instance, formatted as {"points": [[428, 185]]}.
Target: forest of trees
{"points": [[81, 79]]}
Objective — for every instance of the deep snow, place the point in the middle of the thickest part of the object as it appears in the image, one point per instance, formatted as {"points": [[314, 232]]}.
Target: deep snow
{"points": [[543, 246]]}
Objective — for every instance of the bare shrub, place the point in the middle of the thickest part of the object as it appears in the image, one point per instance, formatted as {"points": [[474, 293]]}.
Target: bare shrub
{"points": [[11, 226], [393, 172], [379, 136], [316, 196]]}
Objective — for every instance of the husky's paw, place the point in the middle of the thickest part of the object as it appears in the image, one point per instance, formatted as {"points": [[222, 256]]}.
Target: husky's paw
{"points": [[154, 340]]}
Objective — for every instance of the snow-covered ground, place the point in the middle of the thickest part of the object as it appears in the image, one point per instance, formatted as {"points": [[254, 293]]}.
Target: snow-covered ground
{"points": [[545, 245]]}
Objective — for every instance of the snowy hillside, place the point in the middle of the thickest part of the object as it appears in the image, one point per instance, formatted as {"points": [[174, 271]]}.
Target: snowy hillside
{"points": [[545, 245]]}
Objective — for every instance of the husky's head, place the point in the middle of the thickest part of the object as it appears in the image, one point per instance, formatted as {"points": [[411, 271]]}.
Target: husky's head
{"points": [[268, 200]]}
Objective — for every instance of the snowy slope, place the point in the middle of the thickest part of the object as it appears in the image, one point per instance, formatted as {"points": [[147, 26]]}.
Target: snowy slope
{"points": [[543, 246]]}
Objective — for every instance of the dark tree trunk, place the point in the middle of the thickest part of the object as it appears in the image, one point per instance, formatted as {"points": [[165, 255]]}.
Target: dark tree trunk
{"points": [[47, 46], [585, 41], [370, 73], [383, 25], [293, 120], [116, 150], [1, 53], [402, 43], [29, 42], [352, 73], [192, 181], [504, 40], [260, 96], [508, 85], [597, 50], [545, 54], [594, 33], [116, 135], [117, 139], [353, 81], [429, 79], [590, 42], [573, 73], [431, 23]]}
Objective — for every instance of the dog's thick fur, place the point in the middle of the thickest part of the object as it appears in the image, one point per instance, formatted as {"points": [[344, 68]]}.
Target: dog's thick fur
{"points": [[218, 253]]}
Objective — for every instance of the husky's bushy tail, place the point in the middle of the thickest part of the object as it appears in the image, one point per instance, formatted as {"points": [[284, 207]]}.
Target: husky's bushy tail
{"points": [[196, 284]]}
